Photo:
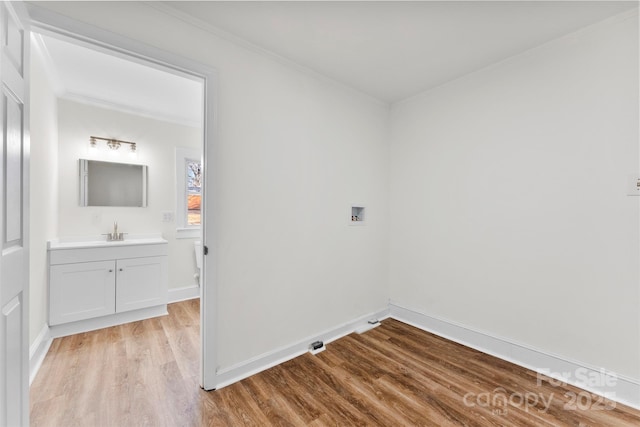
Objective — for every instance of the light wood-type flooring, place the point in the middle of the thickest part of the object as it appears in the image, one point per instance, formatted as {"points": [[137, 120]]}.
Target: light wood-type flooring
{"points": [[145, 374]]}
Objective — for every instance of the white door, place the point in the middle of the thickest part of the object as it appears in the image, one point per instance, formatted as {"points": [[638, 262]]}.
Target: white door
{"points": [[14, 236]]}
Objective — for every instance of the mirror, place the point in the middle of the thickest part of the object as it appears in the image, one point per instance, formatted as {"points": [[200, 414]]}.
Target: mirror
{"points": [[112, 184]]}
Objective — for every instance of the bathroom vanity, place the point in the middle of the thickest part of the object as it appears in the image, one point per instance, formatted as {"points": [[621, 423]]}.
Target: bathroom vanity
{"points": [[94, 283]]}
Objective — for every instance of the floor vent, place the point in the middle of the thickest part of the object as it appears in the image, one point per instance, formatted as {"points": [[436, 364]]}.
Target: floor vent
{"points": [[368, 326], [316, 347]]}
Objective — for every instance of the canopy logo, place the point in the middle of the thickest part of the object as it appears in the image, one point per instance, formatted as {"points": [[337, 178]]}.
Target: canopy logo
{"points": [[499, 400]]}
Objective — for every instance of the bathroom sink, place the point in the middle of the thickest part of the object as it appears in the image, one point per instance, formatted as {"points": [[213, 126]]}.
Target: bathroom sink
{"points": [[101, 241]]}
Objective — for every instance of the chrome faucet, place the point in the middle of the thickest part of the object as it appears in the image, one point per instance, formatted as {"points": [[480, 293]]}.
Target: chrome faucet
{"points": [[114, 236]]}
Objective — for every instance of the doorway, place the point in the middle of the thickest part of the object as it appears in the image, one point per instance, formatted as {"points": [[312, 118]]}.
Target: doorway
{"points": [[124, 49]]}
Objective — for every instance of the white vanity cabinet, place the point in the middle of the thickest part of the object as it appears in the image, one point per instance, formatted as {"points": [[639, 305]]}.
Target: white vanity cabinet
{"points": [[140, 282], [81, 290], [98, 284]]}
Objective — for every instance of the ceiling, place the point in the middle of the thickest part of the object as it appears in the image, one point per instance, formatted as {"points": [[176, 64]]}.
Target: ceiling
{"points": [[90, 76], [388, 50], [393, 50]]}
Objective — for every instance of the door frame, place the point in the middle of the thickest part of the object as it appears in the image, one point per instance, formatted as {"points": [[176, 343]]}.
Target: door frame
{"points": [[50, 23]]}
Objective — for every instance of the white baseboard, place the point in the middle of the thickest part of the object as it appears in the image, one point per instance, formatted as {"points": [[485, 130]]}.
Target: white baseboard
{"points": [[107, 321], [38, 351], [183, 293], [237, 372], [615, 387]]}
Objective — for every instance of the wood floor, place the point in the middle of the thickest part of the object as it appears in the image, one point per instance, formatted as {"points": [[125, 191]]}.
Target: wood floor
{"points": [[145, 374]]}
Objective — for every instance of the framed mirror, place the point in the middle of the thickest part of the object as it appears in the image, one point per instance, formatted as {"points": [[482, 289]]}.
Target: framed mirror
{"points": [[112, 184]]}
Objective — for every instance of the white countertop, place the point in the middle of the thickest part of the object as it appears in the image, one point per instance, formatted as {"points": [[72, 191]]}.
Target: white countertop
{"points": [[101, 241]]}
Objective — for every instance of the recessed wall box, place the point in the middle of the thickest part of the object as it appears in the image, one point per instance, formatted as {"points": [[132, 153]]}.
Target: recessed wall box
{"points": [[633, 185], [357, 215]]}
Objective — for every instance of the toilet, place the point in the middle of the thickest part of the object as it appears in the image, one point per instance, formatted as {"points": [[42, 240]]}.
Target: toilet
{"points": [[197, 247]]}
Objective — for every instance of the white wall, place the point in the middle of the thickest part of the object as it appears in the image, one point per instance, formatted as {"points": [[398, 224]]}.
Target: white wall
{"points": [[43, 201], [292, 153], [508, 199], [507, 194], [156, 142]]}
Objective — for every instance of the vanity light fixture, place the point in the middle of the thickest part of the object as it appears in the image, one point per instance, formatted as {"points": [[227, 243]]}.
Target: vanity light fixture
{"points": [[113, 144]]}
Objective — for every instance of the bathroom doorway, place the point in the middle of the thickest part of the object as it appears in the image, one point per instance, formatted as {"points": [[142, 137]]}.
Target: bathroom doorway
{"points": [[53, 33]]}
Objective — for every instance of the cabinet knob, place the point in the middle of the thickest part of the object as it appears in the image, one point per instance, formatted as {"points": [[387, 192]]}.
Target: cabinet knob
{"points": [[120, 269], [110, 270]]}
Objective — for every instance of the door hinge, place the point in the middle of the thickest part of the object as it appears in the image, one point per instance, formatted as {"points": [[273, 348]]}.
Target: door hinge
{"points": [[205, 250]]}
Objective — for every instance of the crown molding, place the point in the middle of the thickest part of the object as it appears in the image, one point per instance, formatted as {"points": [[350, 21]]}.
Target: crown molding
{"points": [[62, 92], [580, 32], [245, 44], [127, 109], [51, 71]]}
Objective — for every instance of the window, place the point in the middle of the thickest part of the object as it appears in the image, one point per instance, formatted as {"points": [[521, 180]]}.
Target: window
{"points": [[188, 192], [194, 198]]}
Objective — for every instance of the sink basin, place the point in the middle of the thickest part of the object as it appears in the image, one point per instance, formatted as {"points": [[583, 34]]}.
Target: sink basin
{"points": [[101, 241]]}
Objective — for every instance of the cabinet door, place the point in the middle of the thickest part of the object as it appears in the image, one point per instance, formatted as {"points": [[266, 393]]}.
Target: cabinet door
{"points": [[142, 282], [81, 291]]}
